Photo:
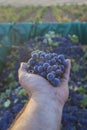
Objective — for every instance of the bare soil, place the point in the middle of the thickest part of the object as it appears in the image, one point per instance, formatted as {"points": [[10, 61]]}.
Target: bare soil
{"points": [[48, 16]]}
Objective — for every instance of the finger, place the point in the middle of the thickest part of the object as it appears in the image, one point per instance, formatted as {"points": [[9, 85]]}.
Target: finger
{"points": [[67, 72], [23, 77], [23, 74], [23, 69]]}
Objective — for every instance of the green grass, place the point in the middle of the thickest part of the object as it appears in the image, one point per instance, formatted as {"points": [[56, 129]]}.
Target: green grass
{"points": [[62, 13], [38, 15]]}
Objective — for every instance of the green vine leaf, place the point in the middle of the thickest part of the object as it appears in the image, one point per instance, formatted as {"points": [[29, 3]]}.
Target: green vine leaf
{"points": [[84, 101], [7, 103]]}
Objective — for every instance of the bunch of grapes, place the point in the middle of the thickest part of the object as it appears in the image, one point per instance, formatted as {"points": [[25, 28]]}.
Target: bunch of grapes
{"points": [[51, 66]]}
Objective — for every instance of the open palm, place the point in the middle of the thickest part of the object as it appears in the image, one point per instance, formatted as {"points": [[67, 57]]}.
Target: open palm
{"points": [[36, 85]]}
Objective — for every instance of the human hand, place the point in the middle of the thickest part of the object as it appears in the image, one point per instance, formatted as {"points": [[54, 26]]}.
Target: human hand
{"points": [[38, 86]]}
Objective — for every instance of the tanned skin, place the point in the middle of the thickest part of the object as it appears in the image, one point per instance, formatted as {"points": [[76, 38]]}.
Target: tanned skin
{"points": [[44, 109]]}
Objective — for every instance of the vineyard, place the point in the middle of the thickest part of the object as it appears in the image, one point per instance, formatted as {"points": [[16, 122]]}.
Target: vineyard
{"points": [[12, 96], [64, 13]]}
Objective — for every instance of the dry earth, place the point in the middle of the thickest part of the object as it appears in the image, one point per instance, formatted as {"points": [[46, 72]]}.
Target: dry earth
{"points": [[48, 16], [40, 2]]}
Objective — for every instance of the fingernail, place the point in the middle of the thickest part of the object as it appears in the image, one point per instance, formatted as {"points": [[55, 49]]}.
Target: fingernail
{"points": [[22, 64], [68, 60]]}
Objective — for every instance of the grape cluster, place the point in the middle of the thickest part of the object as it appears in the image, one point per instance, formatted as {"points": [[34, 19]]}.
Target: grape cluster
{"points": [[6, 120], [74, 115], [9, 115], [51, 66]]}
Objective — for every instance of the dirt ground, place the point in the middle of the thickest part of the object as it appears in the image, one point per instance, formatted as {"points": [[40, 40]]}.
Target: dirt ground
{"points": [[40, 2]]}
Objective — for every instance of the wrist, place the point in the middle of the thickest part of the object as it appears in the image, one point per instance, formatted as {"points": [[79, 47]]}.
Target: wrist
{"points": [[43, 110], [46, 99]]}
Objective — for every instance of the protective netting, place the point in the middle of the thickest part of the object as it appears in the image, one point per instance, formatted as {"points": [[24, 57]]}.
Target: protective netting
{"points": [[17, 33]]}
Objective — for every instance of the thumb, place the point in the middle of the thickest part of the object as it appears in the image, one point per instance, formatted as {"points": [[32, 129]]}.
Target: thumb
{"points": [[23, 77], [66, 75], [23, 69]]}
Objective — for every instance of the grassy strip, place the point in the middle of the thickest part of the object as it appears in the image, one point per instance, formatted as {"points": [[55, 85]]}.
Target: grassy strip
{"points": [[59, 14], [39, 14], [62, 13], [78, 11], [14, 14]]}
